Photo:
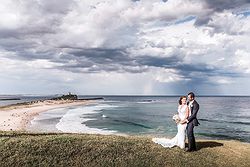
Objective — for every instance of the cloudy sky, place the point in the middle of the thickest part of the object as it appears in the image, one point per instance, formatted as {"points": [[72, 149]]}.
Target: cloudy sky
{"points": [[132, 47]]}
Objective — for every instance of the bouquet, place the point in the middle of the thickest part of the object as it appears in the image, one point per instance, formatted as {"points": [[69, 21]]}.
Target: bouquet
{"points": [[176, 118]]}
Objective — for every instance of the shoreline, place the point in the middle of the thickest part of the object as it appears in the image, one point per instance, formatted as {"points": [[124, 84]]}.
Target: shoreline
{"points": [[16, 117]]}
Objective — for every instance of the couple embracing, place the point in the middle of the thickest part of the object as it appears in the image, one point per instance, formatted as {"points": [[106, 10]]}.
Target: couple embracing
{"points": [[186, 122]]}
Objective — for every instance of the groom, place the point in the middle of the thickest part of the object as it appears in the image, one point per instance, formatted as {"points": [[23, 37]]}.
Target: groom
{"points": [[192, 121]]}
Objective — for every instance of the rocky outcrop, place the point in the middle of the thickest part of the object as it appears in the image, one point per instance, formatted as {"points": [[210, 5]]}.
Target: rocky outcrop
{"points": [[66, 97]]}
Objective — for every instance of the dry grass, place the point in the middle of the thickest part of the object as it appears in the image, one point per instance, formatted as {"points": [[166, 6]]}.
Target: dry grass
{"points": [[23, 149]]}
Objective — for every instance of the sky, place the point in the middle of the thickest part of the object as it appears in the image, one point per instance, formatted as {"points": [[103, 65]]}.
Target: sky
{"points": [[125, 47]]}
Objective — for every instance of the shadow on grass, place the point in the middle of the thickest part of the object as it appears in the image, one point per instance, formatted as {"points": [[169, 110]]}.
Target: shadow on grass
{"points": [[207, 144]]}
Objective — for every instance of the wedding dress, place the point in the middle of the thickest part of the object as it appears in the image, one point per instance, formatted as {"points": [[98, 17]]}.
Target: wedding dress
{"points": [[179, 139]]}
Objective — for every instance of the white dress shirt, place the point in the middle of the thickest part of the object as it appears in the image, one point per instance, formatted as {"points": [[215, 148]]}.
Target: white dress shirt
{"points": [[189, 107]]}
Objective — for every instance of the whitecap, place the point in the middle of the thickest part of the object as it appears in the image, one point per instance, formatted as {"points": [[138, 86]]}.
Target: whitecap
{"points": [[73, 120]]}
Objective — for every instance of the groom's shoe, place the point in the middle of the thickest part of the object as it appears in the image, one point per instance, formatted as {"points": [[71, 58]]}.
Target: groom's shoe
{"points": [[189, 150]]}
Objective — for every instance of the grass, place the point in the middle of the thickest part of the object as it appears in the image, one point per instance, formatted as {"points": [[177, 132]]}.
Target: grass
{"points": [[29, 149]]}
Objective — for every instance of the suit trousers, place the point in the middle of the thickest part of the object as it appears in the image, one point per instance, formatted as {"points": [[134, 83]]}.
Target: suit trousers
{"points": [[190, 135]]}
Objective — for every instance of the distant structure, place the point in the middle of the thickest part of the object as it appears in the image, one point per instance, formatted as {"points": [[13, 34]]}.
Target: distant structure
{"points": [[10, 99], [69, 96]]}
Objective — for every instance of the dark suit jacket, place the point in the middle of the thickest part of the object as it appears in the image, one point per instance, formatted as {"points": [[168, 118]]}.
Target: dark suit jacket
{"points": [[193, 117]]}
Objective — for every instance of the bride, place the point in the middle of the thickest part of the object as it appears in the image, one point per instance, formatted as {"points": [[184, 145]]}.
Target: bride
{"points": [[179, 139]]}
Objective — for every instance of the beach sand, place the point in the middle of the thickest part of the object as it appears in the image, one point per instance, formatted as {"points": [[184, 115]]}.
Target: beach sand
{"points": [[17, 117]]}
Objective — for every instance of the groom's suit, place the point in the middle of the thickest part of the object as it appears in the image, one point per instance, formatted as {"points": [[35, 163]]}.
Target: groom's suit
{"points": [[192, 121]]}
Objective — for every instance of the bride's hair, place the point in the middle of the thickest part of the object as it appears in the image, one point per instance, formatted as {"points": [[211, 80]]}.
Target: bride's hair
{"points": [[182, 97]]}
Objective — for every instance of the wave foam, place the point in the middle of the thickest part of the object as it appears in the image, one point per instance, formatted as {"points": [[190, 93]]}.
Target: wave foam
{"points": [[73, 120]]}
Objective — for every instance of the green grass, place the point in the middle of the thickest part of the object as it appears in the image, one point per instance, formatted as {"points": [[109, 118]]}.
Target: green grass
{"points": [[24, 149]]}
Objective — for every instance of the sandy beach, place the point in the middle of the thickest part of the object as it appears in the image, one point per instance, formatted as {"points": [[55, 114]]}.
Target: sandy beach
{"points": [[17, 117]]}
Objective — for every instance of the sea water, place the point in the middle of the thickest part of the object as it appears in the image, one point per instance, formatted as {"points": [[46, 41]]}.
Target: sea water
{"points": [[219, 117]]}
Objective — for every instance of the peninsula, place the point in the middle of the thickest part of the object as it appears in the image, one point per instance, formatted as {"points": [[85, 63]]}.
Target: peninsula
{"points": [[15, 117]]}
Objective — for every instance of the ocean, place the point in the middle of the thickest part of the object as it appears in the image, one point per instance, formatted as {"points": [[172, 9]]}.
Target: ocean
{"points": [[220, 117]]}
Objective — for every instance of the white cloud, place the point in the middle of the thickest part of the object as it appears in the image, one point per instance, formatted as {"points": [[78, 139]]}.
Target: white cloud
{"points": [[167, 75], [144, 11], [228, 23], [149, 45], [242, 60]]}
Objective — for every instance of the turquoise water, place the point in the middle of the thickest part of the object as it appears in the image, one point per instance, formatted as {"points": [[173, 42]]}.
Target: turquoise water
{"points": [[220, 117]]}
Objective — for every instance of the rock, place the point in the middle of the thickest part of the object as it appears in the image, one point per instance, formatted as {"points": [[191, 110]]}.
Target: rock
{"points": [[66, 97]]}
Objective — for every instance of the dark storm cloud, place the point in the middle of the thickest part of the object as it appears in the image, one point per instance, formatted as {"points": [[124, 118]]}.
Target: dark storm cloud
{"points": [[27, 37], [25, 50], [119, 60], [94, 60], [35, 20], [219, 6], [167, 62], [32, 41], [28, 31], [101, 55], [201, 70], [99, 59]]}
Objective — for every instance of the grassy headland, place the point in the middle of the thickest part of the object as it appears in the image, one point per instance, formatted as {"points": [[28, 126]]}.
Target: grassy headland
{"points": [[27, 149]]}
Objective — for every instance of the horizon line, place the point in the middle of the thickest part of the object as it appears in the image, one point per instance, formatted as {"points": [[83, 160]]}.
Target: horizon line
{"points": [[166, 95]]}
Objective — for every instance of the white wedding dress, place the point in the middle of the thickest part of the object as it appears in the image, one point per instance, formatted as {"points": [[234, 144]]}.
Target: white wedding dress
{"points": [[179, 139]]}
